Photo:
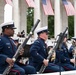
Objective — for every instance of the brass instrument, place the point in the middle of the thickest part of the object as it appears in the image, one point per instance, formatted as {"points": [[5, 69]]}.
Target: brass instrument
{"points": [[53, 55]]}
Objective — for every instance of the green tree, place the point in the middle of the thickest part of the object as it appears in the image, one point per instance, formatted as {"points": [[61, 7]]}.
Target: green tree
{"points": [[30, 22], [30, 19], [51, 26], [71, 26]]}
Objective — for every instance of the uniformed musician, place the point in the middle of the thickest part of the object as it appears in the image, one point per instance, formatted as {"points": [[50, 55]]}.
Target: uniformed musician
{"points": [[8, 49], [38, 52], [72, 50], [62, 57]]}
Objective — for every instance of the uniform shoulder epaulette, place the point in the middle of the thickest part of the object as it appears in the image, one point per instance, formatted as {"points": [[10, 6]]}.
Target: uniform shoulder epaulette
{"points": [[61, 49], [37, 41], [0, 37]]}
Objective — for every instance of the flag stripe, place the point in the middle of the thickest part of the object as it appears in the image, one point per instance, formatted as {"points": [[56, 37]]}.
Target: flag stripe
{"points": [[9, 2], [47, 7], [69, 8], [30, 3]]}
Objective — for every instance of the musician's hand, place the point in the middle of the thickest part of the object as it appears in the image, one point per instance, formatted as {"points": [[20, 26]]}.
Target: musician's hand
{"points": [[21, 61], [72, 61], [45, 61], [10, 61], [21, 51]]}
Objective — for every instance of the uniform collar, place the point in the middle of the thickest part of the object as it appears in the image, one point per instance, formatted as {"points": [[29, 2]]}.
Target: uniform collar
{"points": [[42, 39], [6, 35]]}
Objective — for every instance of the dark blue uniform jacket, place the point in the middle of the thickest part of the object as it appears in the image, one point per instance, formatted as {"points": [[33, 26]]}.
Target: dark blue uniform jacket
{"points": [[7, 49], [38, 52], [62, 55], [71, 49]]}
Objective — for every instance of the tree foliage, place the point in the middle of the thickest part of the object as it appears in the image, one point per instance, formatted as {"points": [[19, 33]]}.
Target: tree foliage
{"points": [[71, 26], [30, 21], [51, 26]]}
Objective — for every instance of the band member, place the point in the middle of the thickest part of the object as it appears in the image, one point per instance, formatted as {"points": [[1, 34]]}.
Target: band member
{"points": [[62, 56], [38, 52], [72, 51], [8, 49]]}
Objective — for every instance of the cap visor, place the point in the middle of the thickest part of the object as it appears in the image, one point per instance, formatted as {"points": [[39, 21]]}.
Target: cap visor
{"points": [[14, 27]]}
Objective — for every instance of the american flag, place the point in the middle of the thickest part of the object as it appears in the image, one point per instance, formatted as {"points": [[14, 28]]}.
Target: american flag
{"points": [[69, 8], [47, 7], [9, 2], [30, 3]]}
